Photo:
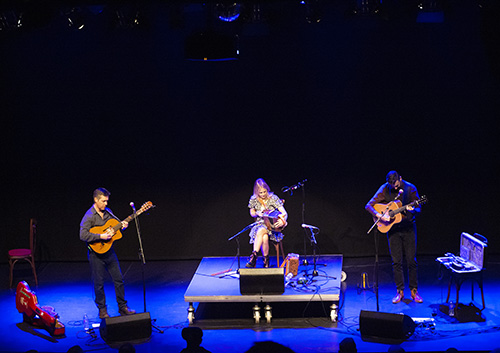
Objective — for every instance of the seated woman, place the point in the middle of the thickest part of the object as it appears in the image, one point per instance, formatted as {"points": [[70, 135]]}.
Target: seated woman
{"points": [[261, 204]]}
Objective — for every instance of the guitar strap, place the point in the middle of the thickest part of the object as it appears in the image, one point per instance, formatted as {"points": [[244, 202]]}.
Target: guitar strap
{"points": [[112, 215], [263, 204]]}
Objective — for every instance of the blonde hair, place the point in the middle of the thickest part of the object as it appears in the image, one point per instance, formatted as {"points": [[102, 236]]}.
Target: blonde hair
{"points": [[260, 184]]}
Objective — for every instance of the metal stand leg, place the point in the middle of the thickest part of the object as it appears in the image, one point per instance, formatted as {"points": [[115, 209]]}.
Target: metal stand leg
{"points": [[191, 313], [256, 313], [269, 313], [334, 312]]}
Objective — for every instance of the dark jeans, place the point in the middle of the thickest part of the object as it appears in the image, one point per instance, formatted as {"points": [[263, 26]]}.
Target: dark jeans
{"points": [[403, 243], [100, 264]]}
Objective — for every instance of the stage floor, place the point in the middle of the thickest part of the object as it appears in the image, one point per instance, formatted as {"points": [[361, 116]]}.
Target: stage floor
{"points": [[68, 289], [217, 280]]}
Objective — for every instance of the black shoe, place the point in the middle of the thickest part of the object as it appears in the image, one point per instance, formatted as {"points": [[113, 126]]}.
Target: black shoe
{"points": [[266, 261], [125, 310], [252, 261]]}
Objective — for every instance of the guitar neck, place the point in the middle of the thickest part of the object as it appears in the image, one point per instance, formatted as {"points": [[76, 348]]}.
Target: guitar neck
{"points": [[128, 219], [392, 213], [144, 207]]}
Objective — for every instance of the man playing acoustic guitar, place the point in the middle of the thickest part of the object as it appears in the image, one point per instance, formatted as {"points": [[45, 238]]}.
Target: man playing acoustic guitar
{"points": [[94, 230], [401, 228]]}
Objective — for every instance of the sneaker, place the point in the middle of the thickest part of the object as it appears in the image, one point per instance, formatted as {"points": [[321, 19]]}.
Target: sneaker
{"points": [[398, 297], [415, 296], [125, 310], [103, 313]]}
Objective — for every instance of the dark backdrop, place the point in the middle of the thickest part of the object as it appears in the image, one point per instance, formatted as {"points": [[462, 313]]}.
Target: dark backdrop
{"points": [[339, 103]]}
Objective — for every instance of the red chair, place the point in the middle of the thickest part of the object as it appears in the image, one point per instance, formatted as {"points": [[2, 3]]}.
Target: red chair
{"points": [[24, 254]]}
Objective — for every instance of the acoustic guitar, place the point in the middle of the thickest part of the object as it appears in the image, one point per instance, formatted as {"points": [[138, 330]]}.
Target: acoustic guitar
{"points": [[102, 246], [394, 212]]}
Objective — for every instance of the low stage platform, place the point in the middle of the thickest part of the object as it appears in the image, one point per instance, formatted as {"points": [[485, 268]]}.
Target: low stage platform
{"points": [[216, 287]]}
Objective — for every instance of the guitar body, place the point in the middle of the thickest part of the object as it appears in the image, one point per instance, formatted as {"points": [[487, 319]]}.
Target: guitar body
{"points": [[102, 246], [394, 212], [382, 225]]}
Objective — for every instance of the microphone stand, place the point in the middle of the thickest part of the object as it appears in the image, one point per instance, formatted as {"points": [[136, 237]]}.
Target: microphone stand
{"points": [[143, 261], [236, 236], [295, 187], [376, 239], [314, 243], [303, 221]]}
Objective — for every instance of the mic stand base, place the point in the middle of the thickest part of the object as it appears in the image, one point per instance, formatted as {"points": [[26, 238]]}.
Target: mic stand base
{"points": [[155, 326]]}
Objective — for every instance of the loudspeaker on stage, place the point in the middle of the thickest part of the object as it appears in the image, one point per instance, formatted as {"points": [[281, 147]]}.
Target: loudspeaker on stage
{"points": [[126, 328], [385, 327]]}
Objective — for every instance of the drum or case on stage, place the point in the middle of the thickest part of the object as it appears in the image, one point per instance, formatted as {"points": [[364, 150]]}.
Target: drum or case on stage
{"points": [[257, 281], [466, 267], [473, 254]]}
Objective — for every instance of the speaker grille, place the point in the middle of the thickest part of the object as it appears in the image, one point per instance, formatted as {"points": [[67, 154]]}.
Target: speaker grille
{"points": [[126, 328], [375, 326]]}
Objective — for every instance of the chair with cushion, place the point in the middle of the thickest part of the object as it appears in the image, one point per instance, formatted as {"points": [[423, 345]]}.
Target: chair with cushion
{"points": [[24, 254]]}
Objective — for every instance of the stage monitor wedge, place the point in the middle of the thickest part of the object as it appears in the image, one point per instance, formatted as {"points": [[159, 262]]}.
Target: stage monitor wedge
{"points": [[385, 327], [126, 328]]}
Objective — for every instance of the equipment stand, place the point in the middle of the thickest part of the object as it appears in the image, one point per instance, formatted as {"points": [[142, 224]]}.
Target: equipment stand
{"points": [[300, 184], [376, 238], [236, 236], [143, 261]]}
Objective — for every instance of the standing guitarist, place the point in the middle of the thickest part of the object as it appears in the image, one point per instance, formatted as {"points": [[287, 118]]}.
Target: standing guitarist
{"points": [[100, 263], [402, 236]]}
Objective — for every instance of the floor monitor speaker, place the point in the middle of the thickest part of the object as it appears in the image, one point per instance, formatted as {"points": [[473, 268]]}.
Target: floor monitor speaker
{"points": [[254, 281], [391, 328], [126, 328]]}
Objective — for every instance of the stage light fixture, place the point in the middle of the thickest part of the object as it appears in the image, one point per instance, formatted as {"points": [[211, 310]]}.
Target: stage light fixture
{"points": [[366, 7], [228, 12], [75, 18], [10, 20], [430, 11], [127, 17], [313, 11]]}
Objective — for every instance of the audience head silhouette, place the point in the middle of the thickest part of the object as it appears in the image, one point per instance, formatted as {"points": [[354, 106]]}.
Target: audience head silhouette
{"points": [[75, 349], [269, 347], [193, 337], [347, 345]]}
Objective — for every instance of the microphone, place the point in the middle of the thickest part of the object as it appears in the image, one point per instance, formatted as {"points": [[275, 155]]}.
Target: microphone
{"points": [[309, 227], [293, 187], [133, 206], [400, 192]]}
